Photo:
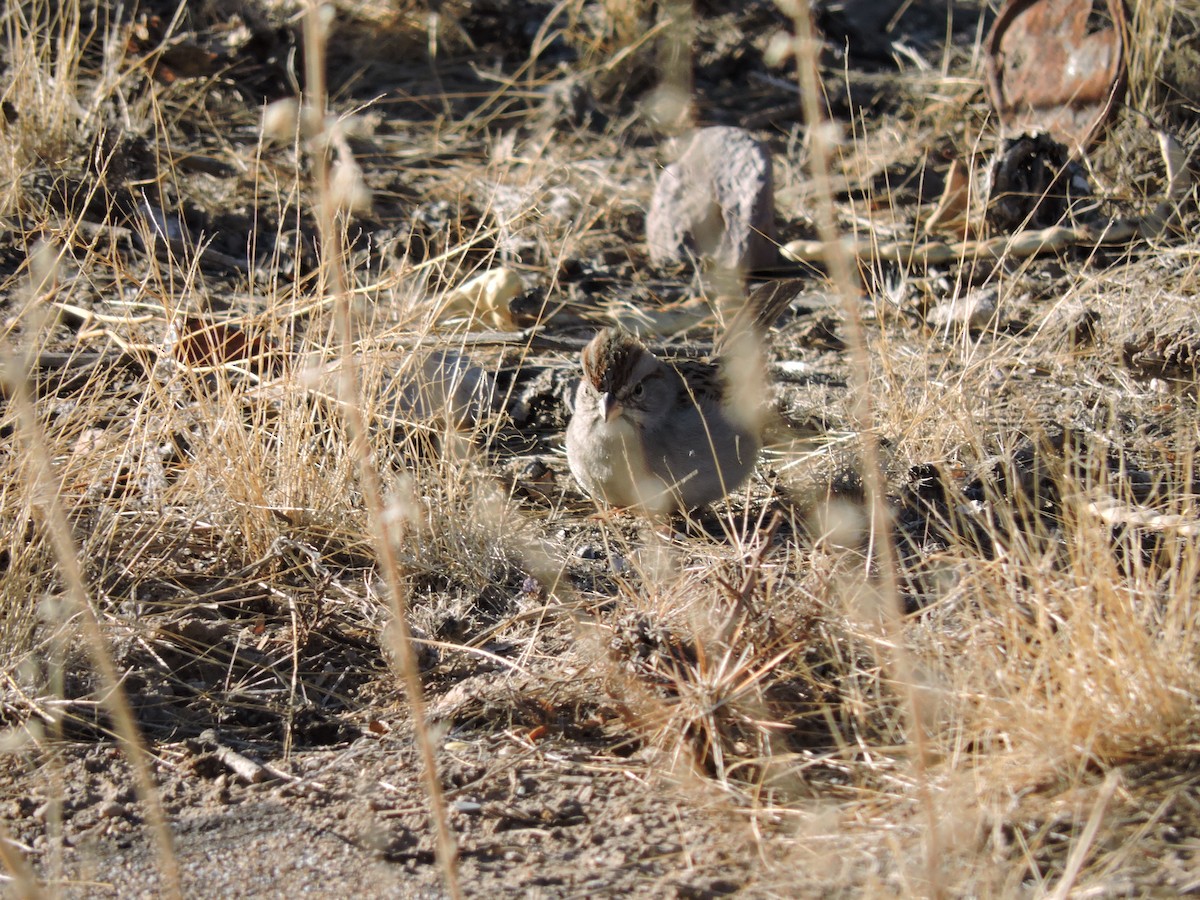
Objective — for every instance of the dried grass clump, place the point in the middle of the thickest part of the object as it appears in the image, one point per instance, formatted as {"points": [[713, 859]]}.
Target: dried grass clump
{"points": [[1162, 54], [706, 674], [44, 114]]}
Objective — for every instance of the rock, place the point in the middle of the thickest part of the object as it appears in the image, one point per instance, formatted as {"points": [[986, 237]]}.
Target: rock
{"points": [[970, 312], [716, 201], [441, 387], [113, 810], [449, 388]]}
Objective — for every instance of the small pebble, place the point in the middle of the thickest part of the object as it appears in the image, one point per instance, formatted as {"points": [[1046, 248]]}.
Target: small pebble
{"points": [[113, 810]]}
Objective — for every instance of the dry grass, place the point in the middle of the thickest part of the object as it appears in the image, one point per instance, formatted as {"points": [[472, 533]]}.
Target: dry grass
{"points": [[984, 684]]}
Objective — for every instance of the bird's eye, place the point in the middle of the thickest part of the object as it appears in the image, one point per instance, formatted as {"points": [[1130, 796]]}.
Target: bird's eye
{"points": [[638, 391]]}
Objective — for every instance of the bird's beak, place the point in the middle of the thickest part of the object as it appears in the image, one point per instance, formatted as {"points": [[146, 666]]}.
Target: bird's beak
{"points": [[609, 407]]}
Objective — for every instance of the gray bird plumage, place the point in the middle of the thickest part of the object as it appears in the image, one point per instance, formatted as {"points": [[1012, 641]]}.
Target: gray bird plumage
{"points": [[653, 435]]}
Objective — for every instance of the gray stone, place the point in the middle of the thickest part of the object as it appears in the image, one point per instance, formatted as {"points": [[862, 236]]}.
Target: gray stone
{"points": [[451, 388], [972, 311], [716, 202]]}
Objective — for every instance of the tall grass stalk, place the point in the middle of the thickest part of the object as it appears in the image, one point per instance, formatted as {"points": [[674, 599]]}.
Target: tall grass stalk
{"points": [[881, 555], [388, 530]]}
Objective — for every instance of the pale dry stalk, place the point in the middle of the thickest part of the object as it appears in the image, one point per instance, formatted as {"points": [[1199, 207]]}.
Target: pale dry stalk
{"points": [[113, 698], [880, 538], [385, 531]]}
